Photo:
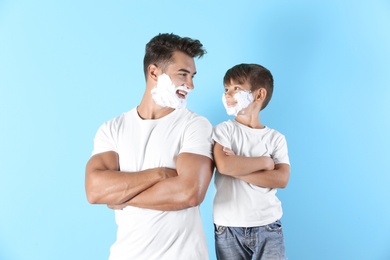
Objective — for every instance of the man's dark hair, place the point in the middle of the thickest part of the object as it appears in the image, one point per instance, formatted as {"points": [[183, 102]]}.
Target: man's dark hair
{"points": [[255, 75], [159, 50]]}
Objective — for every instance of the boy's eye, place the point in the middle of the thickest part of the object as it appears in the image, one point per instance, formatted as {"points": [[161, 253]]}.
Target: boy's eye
{"points": [[237, 88]]}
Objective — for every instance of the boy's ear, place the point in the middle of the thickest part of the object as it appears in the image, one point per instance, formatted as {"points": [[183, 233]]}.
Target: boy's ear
{"points": [[261, 94]]}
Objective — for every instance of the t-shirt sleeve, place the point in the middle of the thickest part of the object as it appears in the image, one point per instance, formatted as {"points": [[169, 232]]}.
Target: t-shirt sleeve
{"points": [[221, 135], [197, 138], [104, 139], [280, 153]]}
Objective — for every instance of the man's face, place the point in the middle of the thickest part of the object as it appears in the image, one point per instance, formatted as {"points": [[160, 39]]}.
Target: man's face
{"points": [[175, 82], [181, 71]]}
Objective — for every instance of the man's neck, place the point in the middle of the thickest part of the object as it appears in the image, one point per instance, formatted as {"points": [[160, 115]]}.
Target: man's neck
{"points": [[151, 110]]}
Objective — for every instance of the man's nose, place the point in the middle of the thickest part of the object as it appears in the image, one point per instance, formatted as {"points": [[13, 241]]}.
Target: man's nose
{"points": [[189, 84]]}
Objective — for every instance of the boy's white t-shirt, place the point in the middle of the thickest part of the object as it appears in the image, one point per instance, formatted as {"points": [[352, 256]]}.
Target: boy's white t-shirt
{"points": [[144, 144], [238, 203]]}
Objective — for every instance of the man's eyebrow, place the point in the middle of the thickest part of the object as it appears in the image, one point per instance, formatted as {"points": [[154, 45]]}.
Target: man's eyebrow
{"points": [[187, 71]]}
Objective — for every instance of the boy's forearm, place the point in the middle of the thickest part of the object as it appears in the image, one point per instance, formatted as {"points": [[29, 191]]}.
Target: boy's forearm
{"points": [[235, 165], [230, 164], [277, 178]]}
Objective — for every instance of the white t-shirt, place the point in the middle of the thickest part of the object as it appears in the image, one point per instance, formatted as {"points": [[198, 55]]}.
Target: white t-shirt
{"points": [[144, 144], [238, 203]]}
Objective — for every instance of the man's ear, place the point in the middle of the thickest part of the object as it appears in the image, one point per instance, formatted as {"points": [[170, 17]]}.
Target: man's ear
{"points": [[153, 72]]}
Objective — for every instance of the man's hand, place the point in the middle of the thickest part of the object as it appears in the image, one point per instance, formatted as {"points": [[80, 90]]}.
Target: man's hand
{"points": [[168, 172], [120, 206], [228, 151]]}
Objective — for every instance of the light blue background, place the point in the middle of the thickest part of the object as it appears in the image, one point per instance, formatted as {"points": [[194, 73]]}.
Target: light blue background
{"points": [[68, 66]]}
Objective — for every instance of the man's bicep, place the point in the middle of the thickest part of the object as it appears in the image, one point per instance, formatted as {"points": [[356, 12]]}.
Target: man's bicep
{"points": [[103, 161], [197, 169]]}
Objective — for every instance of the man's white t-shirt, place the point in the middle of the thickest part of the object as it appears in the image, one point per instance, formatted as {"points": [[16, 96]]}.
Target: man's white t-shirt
{"points": [[238, 203], [144, 144]]}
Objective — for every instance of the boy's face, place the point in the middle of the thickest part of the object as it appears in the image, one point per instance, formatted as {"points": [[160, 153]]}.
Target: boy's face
{"points": [[236, 97], [232, 89]]}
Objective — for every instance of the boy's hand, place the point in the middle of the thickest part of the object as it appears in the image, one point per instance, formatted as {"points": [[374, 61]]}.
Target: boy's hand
{"points": [[228, 151], [268, 163]]}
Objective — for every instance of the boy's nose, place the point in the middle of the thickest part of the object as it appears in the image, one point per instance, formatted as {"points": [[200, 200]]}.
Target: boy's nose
{"points": [[229, 93]]}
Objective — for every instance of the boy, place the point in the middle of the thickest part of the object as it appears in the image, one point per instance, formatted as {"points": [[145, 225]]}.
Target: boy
{"points": [[252, 161]]}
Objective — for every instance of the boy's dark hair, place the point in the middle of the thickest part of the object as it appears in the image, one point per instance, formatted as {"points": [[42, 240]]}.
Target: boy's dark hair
{"points": [[159, 50], [256, 75]]}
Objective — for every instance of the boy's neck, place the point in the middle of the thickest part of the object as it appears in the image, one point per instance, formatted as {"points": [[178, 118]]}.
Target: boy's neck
{"points": [[252, 121]]}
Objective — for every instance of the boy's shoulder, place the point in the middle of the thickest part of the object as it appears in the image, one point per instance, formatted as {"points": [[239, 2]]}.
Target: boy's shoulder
{"points": [[225, 124]]}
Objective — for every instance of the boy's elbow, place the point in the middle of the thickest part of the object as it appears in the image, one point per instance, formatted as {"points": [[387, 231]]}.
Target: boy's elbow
{"points": [[222, 169], [284, 181], [283, 185]]}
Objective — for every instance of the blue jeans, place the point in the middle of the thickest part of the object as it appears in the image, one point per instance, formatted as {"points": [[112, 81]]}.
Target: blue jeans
{"points": [[236, 243]]}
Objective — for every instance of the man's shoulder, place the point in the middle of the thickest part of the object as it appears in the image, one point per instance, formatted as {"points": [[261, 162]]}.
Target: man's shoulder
{"points": [[189, 115], [118, 120]]}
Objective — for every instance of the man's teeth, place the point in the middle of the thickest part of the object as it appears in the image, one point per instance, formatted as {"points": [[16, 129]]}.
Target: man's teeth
{"points": [[182, 92]]}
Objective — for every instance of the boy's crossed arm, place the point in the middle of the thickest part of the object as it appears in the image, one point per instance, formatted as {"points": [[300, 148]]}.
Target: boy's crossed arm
{"points": [[260, 171]]}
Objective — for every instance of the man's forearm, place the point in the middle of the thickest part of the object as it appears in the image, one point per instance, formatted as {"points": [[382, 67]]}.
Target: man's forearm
{"points": [[170, 194], [115, 187], [184, 191], [105, 184]]}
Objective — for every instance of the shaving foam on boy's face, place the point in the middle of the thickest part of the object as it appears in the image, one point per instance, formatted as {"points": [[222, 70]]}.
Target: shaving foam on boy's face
{"points": [[166, 94], [242, 100]]}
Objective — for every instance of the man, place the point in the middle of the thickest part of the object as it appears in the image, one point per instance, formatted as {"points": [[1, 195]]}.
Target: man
{"points": [[153, 164]]}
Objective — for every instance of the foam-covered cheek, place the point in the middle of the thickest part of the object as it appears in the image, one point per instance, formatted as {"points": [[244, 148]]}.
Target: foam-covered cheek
{"points": [[164, 94], [242, 99]]}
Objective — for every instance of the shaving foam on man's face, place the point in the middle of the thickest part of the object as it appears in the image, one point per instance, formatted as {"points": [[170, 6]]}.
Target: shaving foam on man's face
{"points": [[166, 94], [242, 100]]}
